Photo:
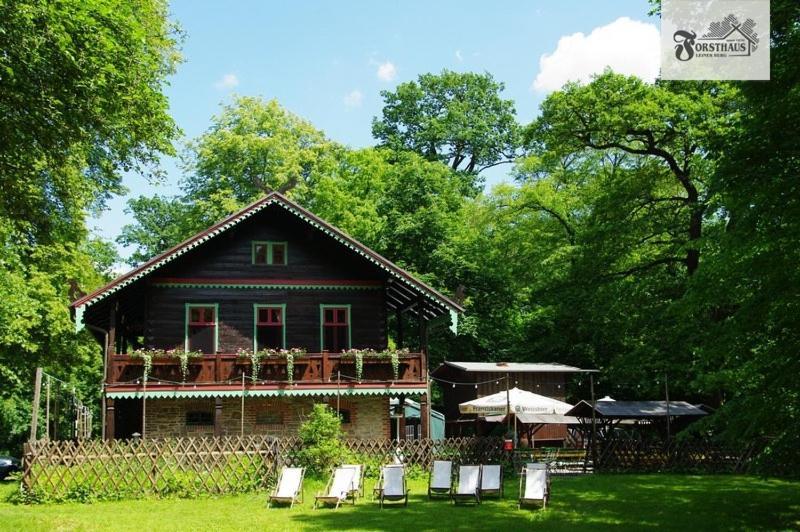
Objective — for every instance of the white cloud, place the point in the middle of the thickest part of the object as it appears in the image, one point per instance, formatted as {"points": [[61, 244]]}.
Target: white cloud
{"points": [[353, 98], [228, 81], [459, 56], [387, 71], [626, 46]]}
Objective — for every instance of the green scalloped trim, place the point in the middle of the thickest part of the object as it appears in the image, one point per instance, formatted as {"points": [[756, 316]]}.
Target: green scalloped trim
{"points": [[188, 394]]}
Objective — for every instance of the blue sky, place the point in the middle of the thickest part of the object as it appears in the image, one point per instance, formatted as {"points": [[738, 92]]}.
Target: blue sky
{"points": [[328, 61]]}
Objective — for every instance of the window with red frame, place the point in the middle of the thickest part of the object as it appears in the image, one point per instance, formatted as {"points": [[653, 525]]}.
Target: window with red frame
{"points": [[335, 329], [269, 327], [201, 329]]}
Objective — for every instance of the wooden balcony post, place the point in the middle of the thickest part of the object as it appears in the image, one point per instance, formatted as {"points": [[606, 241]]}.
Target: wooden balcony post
{"points": [[424, 417], [111, 343], [326, 368], [218, 417], [109, 413], [399, 322]]}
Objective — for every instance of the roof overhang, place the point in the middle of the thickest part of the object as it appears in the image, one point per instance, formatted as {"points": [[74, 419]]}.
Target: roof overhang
{"points": [[510, 367]]}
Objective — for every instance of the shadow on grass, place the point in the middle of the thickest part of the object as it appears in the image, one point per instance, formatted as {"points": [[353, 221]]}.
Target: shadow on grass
{"points": [[599, 501], [677, 501]]}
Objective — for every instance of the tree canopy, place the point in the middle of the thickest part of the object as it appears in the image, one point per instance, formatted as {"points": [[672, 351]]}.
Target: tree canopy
{"points": [[457, 118], [81, 101]]}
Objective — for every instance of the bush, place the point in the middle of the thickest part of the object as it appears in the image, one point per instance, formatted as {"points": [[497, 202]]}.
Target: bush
{"points": [[321, 434]]}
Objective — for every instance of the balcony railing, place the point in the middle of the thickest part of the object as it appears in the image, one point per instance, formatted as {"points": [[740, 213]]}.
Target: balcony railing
{"points": [[311, 368]]}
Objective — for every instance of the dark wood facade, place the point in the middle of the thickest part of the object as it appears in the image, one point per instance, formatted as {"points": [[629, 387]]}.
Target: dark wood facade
{"points": [[318, 268]]}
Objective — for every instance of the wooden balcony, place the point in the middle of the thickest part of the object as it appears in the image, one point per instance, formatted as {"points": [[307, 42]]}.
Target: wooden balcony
{"points": [[227, 369]]}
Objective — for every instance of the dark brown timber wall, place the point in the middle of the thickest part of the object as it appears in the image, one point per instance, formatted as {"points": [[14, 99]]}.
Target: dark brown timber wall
{"points": [[311, 256]]}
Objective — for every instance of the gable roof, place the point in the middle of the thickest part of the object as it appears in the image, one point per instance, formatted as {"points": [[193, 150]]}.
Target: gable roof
{"points": [[514, 367], [635, 409], [403, 291]]}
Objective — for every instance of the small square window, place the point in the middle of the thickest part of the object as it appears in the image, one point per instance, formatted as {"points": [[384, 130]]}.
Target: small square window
{"points": [[269, 253]]}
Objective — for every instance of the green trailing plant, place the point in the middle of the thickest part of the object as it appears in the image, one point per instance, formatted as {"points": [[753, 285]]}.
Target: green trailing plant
{"points": [[183, 357], [394, 355], [358, 355], [290, 355], [256, 358]]}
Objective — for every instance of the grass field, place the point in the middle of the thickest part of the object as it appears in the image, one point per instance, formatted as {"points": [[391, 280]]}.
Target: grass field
{"points": [[589, 502]]}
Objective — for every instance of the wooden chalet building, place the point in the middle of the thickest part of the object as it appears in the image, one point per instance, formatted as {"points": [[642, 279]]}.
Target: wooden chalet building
{"points": [[271, 276]]}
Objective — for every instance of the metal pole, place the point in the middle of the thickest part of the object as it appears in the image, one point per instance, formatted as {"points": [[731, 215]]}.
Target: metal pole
{"points": [[37, 390], [338, 381], [666, 393], [594, 423], [144, 407], [508, 405], [241, 433]]}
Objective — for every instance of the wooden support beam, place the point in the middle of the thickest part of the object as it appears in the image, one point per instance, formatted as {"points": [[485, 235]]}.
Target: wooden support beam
{"points": [[109, 414], [111, 343], [424, 417], [399, 322], [218, 417]]}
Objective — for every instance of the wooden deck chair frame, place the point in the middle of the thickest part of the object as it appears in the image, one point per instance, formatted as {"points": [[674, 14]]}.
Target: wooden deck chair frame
{"points": [[439, 491], [360, 491], [467, 497], [492, 491], [298, 496], [381, 494], [323, 496], [522, 478]]}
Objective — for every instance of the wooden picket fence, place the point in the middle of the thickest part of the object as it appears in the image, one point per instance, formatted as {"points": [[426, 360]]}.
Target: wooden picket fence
{"points": [[684, 456], [185, 467]]}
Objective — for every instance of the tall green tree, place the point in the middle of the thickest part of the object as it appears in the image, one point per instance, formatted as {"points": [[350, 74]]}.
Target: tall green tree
{"points": [[677, 126], [81, 102], [457, 118]]}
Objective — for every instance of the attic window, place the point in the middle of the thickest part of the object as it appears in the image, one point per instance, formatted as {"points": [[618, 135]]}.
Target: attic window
{"points": [[269, 253]]}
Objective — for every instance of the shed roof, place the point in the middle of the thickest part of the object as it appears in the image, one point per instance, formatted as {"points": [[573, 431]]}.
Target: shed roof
{"points": [[402, 290], [514, 367], [635, 409]]}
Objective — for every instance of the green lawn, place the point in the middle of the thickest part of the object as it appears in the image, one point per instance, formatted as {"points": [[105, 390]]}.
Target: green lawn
{"points": [[600, 501]]}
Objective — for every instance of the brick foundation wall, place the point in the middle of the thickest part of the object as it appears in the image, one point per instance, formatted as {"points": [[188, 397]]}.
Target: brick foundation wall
{"points": [[280, 417]]}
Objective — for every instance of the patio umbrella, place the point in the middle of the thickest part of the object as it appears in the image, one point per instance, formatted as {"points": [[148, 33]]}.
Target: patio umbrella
{"points": [[519, 401], [516, 401]]}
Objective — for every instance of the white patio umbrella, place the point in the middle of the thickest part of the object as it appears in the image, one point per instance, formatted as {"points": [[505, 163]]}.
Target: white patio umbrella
{"points": [[515, 401], [518, 401]]}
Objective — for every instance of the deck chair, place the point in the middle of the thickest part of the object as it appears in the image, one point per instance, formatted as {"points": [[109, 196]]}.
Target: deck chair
{"points": [[440, 478], [534, 485], [290, 486], [492, 480], [468, 487], [358, 480], [338, 487], [392, 485]]}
